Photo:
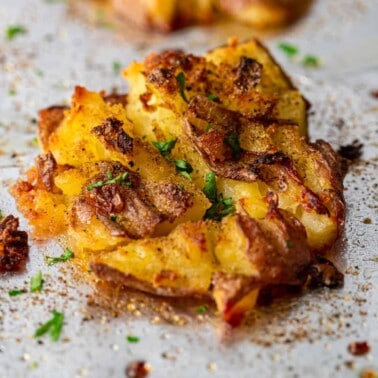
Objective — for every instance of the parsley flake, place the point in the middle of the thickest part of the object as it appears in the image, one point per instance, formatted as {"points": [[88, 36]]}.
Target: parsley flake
{"points": [[15, 293], [220, 206], [52, 326], [289, 244], [234, 142], [1, 215], [311, 61], [119, 179], [288, 49], [35, 141], [182, 166], [210, 188], [165, 147], [208, 127], [181, 82], [132, 339], [36, 283], [202, 309], [212, 97], [13, 31], [65, 256], [116, 67]]}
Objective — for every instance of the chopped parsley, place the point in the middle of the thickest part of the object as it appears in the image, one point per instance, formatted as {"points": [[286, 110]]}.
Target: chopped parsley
{"points": [[116, 67], [13, 31], [288, 49], [52, 326], [39, 72], [35, 141], [212, 97], [165, 147], [65, 256], [208, 127], [12, 92], [1, 215], [181, 82], [234, 142], [15, 293], [132, 339], [202, 309], [113, 218], [289, 244], [220, 206], [119, 179], [36, 283], [311, 61], [182, 166]]}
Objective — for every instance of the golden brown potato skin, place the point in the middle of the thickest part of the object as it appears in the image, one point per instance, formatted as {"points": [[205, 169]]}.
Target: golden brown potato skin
{"points": [[168, 15]]}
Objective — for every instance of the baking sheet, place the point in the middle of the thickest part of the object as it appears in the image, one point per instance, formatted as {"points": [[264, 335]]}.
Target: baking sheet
{"points": [[301, 337]]}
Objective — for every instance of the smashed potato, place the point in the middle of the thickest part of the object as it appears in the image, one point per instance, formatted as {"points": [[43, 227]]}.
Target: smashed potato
{"points": [[200, 183]]}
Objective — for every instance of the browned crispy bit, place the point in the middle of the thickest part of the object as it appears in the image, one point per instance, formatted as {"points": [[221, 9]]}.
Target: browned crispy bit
{"points": [[230, 290], [324, 273], [359, 348], [49, 120], [14, 249], [46, 165], [129, 205], [137, 369], [352, 151], [283, 253], [172, 58], [247, 74], [111, 133], [116, 98], [165, 78]]}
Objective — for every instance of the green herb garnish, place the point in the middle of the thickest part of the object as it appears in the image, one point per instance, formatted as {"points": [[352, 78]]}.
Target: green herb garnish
{"points": [[12, 92], [35, 141], [289, 50], [36, 283], [119, 179], [14, 293], [52, 326], [13, 31], [181, 82], [65, 256], [113, 218], [210, 188], [202, 309], [234, 142], [212, 97], [116, 67], [1, 215], [182, 166], [39, 72], [165, 147], [289, 244], [208, 127], [220, 207], [132, 339], [311, 61]]}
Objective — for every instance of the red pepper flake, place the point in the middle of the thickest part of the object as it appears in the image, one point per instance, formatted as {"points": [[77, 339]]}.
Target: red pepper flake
{"points": [[137, 369], [374, 94], [359, 348]]}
